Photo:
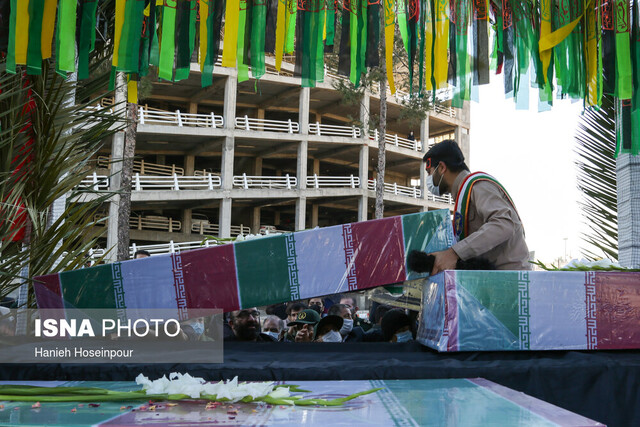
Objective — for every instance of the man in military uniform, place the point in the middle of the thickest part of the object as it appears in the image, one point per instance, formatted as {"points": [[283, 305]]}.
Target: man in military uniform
{"points": [[486, 222]]}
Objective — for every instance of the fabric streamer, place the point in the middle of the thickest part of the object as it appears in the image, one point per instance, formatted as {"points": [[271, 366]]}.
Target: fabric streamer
{"points": [[373, 33], [440, 44], [344, 55], [34, 50], [129, 48], [66, 30], [389, 32], [87, 38], [280, 32], [623, 88], [185, 38], [167, 44], [258, 33], [231, 23]]}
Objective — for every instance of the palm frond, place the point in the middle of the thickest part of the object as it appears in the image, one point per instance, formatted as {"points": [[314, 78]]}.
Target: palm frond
{"points": [[596, 144]]}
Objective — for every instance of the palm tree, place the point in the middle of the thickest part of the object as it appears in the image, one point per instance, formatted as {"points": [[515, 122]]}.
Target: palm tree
{"points": [[596, 145], [46, 150]]}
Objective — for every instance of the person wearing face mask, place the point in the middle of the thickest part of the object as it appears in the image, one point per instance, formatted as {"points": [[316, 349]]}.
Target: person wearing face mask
{"points": [[348, 332], [274, 327], [396, 326], [328, 329], [486, 223]]}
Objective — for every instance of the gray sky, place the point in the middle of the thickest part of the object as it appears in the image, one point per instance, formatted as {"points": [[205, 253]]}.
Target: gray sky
{"points": [[532, 154]]}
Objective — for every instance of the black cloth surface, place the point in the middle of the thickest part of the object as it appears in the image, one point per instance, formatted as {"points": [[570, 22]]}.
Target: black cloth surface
{"points": [[601, 385]]}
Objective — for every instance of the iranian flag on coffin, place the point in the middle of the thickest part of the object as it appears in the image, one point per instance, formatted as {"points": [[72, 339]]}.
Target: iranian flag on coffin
{"points": [[256, 272], [537, 310]]}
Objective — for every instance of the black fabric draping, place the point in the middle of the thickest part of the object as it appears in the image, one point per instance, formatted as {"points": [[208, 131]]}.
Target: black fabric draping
{"points": [[601, 385]]}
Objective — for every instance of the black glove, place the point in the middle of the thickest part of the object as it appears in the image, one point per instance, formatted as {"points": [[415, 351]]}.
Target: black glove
{"points": [[420, 262]]}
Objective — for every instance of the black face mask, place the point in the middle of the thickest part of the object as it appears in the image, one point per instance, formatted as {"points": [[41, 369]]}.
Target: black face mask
{"points": [[316, 307]]}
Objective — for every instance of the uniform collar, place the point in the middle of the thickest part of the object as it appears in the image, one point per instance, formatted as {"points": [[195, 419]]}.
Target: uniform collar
{"points": [[457, 183]]}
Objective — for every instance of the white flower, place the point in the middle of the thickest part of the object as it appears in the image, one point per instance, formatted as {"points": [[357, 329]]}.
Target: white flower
{"points": [[194, 387]]}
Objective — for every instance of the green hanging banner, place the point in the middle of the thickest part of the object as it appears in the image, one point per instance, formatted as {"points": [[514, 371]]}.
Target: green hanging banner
{"points": [[185, 37], [243, 68], [66, 37], [290, 26], [87, 38], [167, 44], [623, 53], [402, 23], [258, 33], [129, 49], [463, 72], [34, 47]]}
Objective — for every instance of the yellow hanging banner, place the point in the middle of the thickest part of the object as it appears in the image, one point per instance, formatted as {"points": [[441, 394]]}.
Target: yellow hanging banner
{"points": [[120, 6], [48, 26], [204, 33], [389, 31], [22, 31], [280, 32], [132, 91], [231, 22], [441, 33]]}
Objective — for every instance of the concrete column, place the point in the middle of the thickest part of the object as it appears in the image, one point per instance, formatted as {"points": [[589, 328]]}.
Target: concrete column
{"points": [[189, 164], [316, 166], [255, 221], [193, 108], [117, 155], [224, 218], [186, 221], [303, 110], [318, 117], [276, 218], [260, 117], [227, 185], [363, 173], [257, 166], [301, 213], [424, 139], [161, 159], [301, 168], [229, 109], [365, 113], [462, 138], [628, 186], [314, 215]]}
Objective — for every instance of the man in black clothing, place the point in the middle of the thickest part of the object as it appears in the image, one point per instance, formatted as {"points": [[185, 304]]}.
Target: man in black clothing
{"points": [[349, 332], [245, 325]]}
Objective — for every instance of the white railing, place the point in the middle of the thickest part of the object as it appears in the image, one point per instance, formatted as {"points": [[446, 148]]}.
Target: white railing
{"points": [[145, 168], [442, 109], [398, 141], [250, 123], [334, 130], [171, 247], [394, 188], [95, 182], [316, 181], [175, 182], [153, 222], [246, 182], [442, 199], [214, 229], [178, 118]]}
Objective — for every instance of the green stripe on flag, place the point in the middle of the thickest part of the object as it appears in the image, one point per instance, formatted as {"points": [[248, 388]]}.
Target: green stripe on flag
{"points": [[500, 298], [263, 272], [99, 295]]}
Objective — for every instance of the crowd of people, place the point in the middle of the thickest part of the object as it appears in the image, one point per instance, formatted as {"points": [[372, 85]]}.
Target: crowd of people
{"points": [[323, 319]]}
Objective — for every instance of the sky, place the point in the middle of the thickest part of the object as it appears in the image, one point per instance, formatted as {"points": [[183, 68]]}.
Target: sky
{"points": [[532, 154]]}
